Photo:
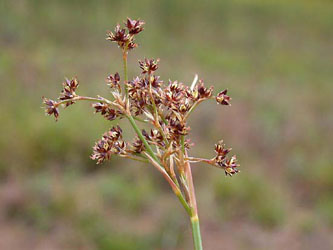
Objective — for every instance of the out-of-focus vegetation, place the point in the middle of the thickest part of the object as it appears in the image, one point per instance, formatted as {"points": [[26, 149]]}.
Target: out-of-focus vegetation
{"points": [[276, 58]]}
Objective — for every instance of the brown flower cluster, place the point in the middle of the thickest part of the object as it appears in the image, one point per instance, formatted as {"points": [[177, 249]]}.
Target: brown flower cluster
{"points": [[229, 165], [110, 144], [164, 106], [124, 37], [67, 97]]}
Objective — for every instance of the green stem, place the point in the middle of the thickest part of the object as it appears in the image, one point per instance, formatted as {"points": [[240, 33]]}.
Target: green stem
{"points": [[125, 70], [142, 138], [196, 233]]}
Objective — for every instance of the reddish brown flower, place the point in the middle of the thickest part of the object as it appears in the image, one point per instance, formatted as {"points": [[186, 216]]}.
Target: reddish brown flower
{"points": [[231, 165], [221, 151], [137, 146], [109, 113], [203, 92], [113, 81], [119, 36], [155, 81], [149, 65], [134, 26], [51, 108], [68, 92], [222, 98], [109, 145]]}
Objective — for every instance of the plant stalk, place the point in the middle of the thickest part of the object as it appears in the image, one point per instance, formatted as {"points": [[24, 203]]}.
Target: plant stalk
{"points": [[196, 233], [125, 53], [194, 208]]}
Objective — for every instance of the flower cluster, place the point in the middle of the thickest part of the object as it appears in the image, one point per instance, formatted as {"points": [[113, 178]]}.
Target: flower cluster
{"points": [[67, 97], [165, 106], [110, 144], [221, 160], [51, 107], [124, 37]]}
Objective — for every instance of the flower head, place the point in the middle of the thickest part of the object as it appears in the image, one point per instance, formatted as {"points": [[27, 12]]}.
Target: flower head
{"points": [[119, 36], [222, 98], [231, 166], [110, 144], [113, 81], [109, 113], [51, 108], [68, 91], [134, 26], [203, 92], [149, 65], [221, 160]]}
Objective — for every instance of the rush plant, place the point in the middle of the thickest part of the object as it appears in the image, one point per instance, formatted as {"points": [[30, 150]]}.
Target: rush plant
{"points": [[163, 109]]}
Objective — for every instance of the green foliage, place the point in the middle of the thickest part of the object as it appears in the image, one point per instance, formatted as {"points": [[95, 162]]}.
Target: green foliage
{"points": [[251, 197]]}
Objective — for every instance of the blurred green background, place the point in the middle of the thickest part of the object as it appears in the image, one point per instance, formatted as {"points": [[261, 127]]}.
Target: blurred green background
{"points": [[276, 59]]}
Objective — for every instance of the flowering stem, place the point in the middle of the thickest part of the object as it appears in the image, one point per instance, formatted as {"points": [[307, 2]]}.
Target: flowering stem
{"points": [[193, 204], [142, 138], [196, 233], [174, 187], [125, 69], [92, 99], [134, 158]]}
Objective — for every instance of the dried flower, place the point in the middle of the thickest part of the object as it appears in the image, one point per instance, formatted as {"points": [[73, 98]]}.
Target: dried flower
{"points": [[231, 166], [149, 65], [119, 36], [68, 92], [137, 146], [113, 81], [51, 108], [109, 113], [222, 98], [203, 91], [134, 26], [109, 145]]}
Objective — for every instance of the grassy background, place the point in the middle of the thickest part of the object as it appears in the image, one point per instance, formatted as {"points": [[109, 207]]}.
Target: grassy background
{"points": [[275, 57]]}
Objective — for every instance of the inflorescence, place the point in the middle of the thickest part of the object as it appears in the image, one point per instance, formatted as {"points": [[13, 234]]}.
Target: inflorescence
{"points": [[165, 106]]}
